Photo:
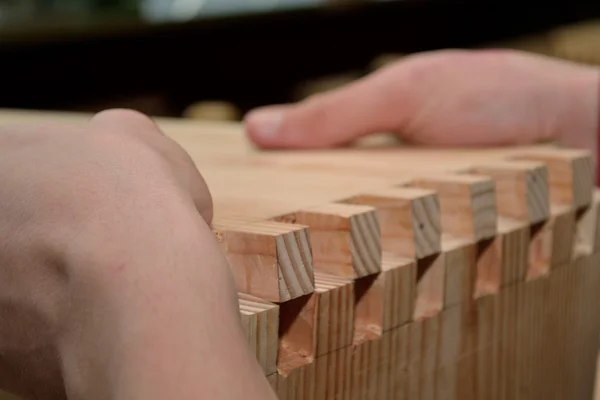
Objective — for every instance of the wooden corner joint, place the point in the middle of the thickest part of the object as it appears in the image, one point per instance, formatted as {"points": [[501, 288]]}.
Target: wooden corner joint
{"points": [[345, 238], [409, 219], [467, 204], [522, 188], [268, 259], [570, 174]]}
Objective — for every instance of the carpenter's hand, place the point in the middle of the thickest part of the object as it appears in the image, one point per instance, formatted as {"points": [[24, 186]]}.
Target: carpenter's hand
{"points": [[107, 264], [447, 97]]}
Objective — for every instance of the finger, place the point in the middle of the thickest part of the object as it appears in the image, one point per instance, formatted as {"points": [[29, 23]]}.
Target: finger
{"points": [[135, 124], [124, 121], [373, 104]]}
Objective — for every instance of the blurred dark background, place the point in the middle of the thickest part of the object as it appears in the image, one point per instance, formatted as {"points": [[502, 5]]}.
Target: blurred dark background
{"points": [[218, 58]]}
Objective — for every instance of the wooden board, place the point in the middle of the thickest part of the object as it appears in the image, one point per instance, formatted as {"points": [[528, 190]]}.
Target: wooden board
{"points": [[392, 272]]}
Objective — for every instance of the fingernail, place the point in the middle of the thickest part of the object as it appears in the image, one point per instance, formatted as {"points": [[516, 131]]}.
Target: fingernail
{"points": [[266, 123]]}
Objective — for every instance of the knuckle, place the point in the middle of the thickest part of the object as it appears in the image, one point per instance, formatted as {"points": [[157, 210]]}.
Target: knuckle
{"points": [[126, 121], [123, 115], [158, 155]]}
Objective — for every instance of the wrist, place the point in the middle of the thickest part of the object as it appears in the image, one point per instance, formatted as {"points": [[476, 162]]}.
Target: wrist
{"points": [[153, 309]]}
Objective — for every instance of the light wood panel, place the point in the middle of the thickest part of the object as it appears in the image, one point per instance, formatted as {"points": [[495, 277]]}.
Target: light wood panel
{"points": [[382, 271]]}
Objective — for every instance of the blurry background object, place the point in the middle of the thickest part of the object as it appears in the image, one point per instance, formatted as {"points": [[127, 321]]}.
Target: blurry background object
{"points": [[323, 84], [577, 42], [213, 111], [7, 396], [383, 60], [10, 9], [160, 10], [164, 57]]}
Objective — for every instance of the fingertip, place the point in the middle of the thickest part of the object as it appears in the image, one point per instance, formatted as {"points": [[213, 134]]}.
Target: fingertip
{"points": [[264, 126], [325, 120], [291, 126]]}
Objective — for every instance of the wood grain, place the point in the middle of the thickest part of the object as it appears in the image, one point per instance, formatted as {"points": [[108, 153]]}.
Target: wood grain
{"points": [[570, 174], [268, 259], [400, 280], [521, 189], [345, 239], [587, 239], [467, 202], [409, 219], [335, 313], [260, 320]]}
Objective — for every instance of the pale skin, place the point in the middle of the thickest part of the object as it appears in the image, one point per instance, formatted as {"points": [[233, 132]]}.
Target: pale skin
{"points": [[112, 285], [111, 281], [445, 98]]}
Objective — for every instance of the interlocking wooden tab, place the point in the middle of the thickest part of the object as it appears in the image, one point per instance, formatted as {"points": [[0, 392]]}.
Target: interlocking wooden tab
{"points": [[460, 264], [345, 239], [522, 191], [335, 313], [588, 228], [467, 203], [269, 259], [519, 243], [570, 174], [260, 320], [400, 280], [409, 219]]}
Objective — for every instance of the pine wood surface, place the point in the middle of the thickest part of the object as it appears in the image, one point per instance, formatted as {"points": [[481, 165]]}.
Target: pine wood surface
{"points": [[384, 271]]}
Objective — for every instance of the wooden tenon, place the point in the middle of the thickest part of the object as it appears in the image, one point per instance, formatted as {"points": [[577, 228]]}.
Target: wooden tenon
{"points": [[389, 272]]}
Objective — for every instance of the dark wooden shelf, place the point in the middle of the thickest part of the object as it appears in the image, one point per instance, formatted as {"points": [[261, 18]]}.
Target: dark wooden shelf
{"points": [[249, 60]]}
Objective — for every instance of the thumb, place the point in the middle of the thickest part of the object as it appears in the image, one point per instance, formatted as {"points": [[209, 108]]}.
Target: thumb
{"points": [[370, 105]]}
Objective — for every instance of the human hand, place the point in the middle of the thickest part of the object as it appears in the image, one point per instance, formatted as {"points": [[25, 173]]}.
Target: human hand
{"points": [[446, 98], [111, 283]]}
